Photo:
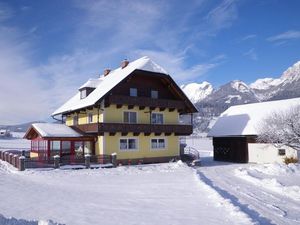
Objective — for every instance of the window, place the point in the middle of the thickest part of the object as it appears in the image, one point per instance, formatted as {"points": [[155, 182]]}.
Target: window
{"points": [[154, 94], [158, 143], [281, 151], [90, 117], [128, 144], [65, 148], [75, 120], [157, 118], [54, 148], [83, 93], [133, 92], [129, 117]]}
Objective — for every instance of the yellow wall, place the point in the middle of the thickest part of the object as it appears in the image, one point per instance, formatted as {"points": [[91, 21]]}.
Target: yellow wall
{"points": [[114, 115], [83, 117], [111, 145]]}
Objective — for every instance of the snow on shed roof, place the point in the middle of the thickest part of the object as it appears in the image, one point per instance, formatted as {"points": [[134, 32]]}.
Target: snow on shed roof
{"points": [[55, 130], [108, 82], [245, 119]]}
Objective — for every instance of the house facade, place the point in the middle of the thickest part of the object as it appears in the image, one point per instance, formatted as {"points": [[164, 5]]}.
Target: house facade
{"points": [[132, 111], [235, 133]]}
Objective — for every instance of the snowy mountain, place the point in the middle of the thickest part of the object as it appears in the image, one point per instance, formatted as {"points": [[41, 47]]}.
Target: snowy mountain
{"points": [[197, 92], [211, 102]]}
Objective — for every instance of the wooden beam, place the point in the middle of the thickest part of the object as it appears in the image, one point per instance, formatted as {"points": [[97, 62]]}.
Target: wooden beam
{"points": [[168, 134], [119, 106], [171, 109], [130, 106], [112, 133], [147, 133], [162, 109], [142, 107], [124, 133], [157, 133], [152, 108], [136, 134]]}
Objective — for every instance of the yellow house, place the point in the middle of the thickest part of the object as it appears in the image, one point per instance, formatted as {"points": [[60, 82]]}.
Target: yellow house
{"points": [[132, 111]]}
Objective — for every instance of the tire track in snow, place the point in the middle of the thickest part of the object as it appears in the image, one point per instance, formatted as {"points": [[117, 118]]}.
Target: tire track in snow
{"points": [[255, 216], [269, 205]]}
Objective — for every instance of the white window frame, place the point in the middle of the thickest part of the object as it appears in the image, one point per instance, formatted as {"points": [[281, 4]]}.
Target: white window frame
{"points": [[157, 140], [129, 116], [154, 91], [163, 119], [127, 140], [90, 117], [134, 90]]}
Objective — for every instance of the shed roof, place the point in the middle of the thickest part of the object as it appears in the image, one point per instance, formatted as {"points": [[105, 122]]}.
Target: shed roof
{"points": [[106, 83], [245, 119], [52, 130]]}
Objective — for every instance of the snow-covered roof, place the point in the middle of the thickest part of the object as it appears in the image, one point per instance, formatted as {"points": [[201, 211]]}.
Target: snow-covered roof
{"points": [[55, 130], [92, 83], [246, 119], [107, 83]]}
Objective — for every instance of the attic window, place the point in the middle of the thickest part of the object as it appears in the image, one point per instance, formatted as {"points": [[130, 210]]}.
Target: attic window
{"points": [[281, 152], [83, 93]]}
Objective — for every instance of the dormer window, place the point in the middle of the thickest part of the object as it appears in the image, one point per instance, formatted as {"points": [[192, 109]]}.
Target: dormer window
{"points": [[133, 92], [85, 92]]}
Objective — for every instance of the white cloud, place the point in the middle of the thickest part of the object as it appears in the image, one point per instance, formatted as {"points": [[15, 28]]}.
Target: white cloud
{"points": [[288, 35], [251, 54], [5, 12], [248, 37], [115, 30], [175, 65], [223, 15]]}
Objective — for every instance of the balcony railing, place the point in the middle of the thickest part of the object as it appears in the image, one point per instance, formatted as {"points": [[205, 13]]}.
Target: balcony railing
{"points": [[145, 102], [100, 128]]}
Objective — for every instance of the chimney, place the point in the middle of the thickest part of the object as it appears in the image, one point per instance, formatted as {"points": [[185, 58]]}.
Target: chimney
{"points": [[106, 72], [124, 63]]}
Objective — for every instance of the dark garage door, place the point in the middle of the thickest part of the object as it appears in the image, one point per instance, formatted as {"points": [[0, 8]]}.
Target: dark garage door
{"points": [[231, 149]]}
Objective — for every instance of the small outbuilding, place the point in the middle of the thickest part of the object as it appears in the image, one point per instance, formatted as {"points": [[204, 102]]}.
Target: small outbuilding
{"points": [[235, 133]]}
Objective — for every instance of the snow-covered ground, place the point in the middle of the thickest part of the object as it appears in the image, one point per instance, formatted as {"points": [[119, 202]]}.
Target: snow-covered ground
{"points": [[168, 193]]}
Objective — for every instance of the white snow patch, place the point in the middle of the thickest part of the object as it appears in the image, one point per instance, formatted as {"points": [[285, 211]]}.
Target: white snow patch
{"points": [[230, 97], [272, 184]]}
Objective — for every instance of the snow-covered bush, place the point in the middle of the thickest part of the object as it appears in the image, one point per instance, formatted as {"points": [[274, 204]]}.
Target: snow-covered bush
{"points": [[282, 128], [288, 160]]}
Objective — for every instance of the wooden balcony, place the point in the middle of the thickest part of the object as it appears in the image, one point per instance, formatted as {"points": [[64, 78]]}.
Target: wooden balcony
{"points": [[143, 102], [136, 129]]}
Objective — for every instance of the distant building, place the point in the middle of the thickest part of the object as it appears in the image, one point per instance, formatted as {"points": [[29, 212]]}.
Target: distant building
{"points": [[5, 133], [132, 111], [235, 132]]}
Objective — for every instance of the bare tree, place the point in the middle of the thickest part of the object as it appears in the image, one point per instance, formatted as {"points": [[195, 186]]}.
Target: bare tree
{"points": [[282, 128]]}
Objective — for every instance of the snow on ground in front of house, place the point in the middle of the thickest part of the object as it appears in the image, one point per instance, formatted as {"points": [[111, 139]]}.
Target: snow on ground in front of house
{"points": [[16, 142], [169, 193]]}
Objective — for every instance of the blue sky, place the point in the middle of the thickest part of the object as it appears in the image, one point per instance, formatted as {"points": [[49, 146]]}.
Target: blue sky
{"points": [[49, 48]]}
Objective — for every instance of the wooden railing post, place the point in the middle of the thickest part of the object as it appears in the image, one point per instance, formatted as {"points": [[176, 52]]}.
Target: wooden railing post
{"points": [[87, 161], [22, 163], [56, 161]]}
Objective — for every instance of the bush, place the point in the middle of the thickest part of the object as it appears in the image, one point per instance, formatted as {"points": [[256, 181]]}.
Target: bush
{"points": [[288, 160]]}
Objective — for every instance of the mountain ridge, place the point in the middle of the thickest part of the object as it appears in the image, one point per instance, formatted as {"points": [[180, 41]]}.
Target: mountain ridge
{"points": [[212, 103]]}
